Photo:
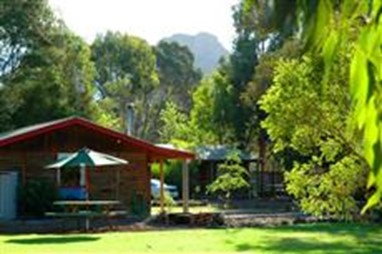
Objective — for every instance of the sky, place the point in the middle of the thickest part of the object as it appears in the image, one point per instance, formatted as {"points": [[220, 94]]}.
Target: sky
{"points": [[148, 19]]}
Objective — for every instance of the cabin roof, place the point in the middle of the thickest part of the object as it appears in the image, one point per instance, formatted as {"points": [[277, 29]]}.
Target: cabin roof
{"points": [[28, 132], [220, 153]]}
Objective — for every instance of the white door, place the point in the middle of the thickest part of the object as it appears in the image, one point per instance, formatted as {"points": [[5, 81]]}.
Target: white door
{"points": [[8, 195]]}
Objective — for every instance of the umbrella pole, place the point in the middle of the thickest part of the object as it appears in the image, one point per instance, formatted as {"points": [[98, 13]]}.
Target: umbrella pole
{"points": [[83, 183], [87, 183], [117, 187], [58, 177], [83, 179], [87, 222]]}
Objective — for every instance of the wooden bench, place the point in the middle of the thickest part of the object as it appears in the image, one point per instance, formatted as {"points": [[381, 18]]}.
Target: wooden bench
{"points": [[88, 215]]}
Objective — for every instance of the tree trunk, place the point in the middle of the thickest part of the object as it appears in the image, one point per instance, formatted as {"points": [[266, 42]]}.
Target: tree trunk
{"points": [[262, 162]]}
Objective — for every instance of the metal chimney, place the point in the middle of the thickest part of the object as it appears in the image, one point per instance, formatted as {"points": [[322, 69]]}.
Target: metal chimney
{"points": [[129, 118]]}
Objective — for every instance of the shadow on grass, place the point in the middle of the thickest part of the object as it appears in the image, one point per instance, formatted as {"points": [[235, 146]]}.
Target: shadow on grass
{"points": [[246, 247], [366, 239], [294, 245], [356, 230], [54, 240]]}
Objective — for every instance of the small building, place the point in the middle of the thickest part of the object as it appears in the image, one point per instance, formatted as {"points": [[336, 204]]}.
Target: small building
{"points": [[263, 183], [28, 150]]}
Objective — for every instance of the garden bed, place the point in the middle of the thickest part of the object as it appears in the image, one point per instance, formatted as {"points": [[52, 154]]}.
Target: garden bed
{"points": [[158, 222], [223, 219]]}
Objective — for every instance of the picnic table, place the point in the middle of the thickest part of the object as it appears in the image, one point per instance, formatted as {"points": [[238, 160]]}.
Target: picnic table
{"points": [[87, 209]]}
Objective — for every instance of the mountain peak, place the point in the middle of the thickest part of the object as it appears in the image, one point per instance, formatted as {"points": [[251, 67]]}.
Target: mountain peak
{"points": [[206, 48]]}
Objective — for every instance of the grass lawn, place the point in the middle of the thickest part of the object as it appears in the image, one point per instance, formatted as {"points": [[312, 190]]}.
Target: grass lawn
{"points": [[318, 238]]}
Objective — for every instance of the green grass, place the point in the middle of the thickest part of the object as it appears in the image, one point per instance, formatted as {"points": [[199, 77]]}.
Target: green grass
{"points": [[319, 238]]}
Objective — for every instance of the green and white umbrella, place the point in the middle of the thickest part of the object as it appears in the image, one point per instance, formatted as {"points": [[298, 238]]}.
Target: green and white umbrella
{"points": [[89, 158], [85, 158]]}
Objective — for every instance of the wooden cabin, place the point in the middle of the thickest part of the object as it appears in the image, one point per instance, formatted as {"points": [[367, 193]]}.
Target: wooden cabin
{"points": [[28, 150]]}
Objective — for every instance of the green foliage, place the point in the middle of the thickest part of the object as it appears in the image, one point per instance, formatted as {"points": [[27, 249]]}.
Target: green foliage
{"points": [[250, 66], [265, 71], [175, 124], [106, 114], [327, 24], [231, 177], [208, 122], [292, 84], [44, 79], [270, 18], [260, 83], [311, 117], [218, 114], [36, 197], [327, 190], [213, 107], [365, 82], [46, 70], [169, 202], [177, 78], [126, 73], [119, 56], [202, 116], [237, 74], [172, 172], [176, 71], [25, 26], [221, 113]]}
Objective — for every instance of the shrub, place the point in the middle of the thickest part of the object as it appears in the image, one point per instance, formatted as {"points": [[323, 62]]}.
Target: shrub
{"points": [[231, 177], [139, 205], [36, 197], [169, 202]]}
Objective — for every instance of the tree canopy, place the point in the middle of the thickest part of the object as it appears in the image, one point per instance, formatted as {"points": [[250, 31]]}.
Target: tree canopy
{"points": [[46, 71], [126, 73], [177, 75]]}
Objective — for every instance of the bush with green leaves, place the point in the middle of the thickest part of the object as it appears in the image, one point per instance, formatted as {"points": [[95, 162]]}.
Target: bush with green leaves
{"points": [[232, 176], [313, 117], [36, 197], [327, 190], [169, 202], [139, 205]]}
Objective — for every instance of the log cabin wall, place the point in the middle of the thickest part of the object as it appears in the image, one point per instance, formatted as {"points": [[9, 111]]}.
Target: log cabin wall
{"points": [[122, 182], [29, 157]]}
